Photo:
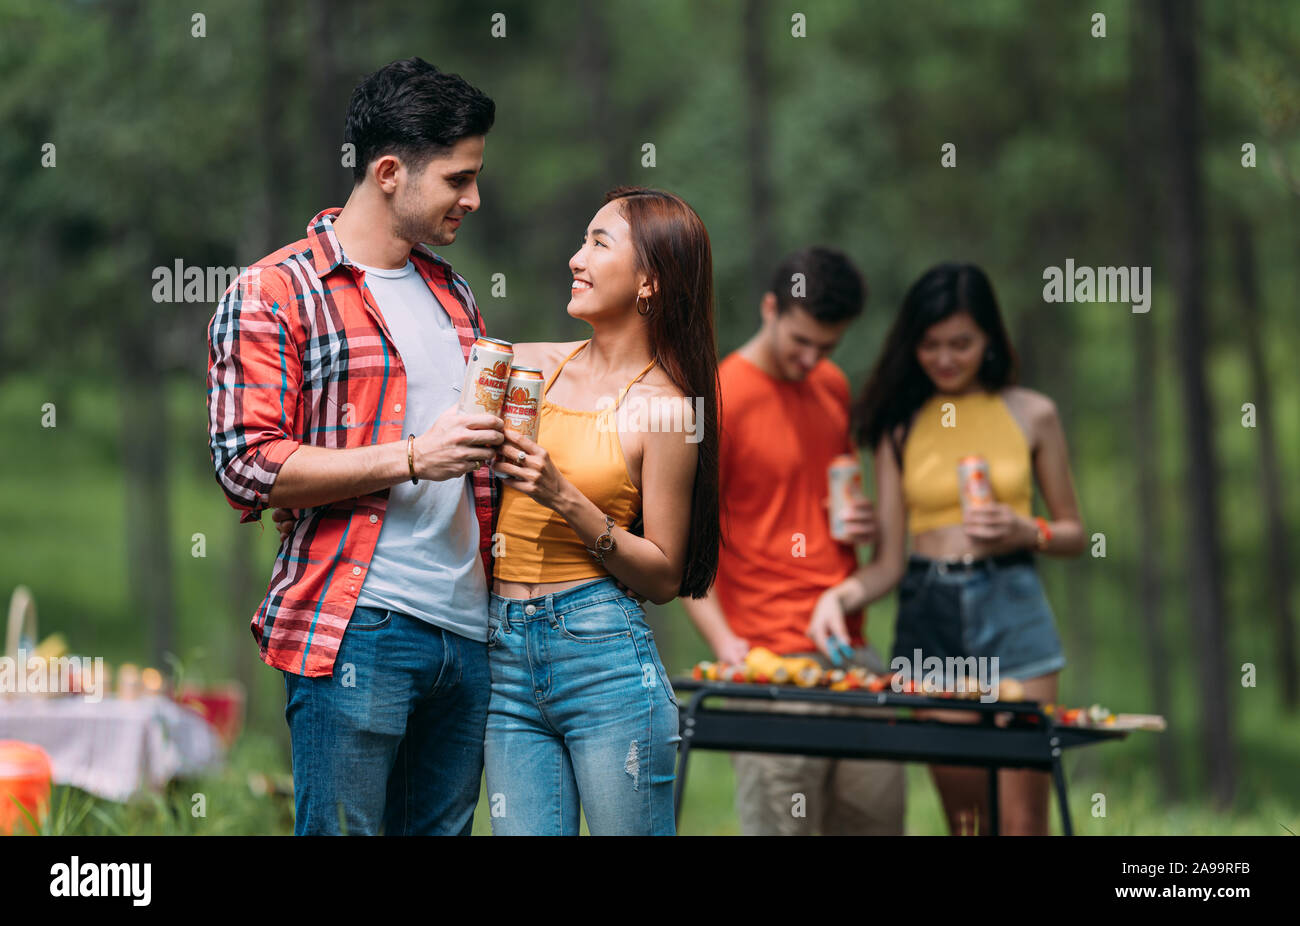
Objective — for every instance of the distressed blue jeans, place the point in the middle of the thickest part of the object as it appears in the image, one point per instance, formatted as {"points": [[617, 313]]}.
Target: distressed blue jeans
{"points": [[581, 713], [394, 738]]}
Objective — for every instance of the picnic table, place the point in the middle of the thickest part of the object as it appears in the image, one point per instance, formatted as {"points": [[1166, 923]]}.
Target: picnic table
{"points": [[113, 747]]}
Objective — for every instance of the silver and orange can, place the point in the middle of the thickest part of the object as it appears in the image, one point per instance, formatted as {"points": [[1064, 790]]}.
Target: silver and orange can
{"points": [[845, 483], [974, 482], [486, 376], [523, 400]]}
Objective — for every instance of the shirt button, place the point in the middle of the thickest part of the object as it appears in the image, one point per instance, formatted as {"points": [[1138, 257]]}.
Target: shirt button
{"points": [[356, 570], [374, 518], [397, 407], [530, 610]]}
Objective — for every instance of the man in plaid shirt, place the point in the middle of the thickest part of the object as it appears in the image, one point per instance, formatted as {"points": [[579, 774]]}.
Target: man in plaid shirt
{"points": [[335, 367]]}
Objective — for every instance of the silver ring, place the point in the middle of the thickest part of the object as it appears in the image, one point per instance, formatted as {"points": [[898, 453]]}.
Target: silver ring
{"points": [[522, 456]]}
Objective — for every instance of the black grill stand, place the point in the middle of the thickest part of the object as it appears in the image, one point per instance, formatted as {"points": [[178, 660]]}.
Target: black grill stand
{"points": [[1028, 740]]}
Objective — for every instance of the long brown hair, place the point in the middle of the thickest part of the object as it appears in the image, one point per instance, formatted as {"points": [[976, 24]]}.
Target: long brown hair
{"points": [[672, 248], [898, 386]]}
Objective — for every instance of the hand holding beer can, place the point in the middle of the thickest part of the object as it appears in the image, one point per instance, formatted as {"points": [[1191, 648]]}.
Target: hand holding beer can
{"points": [[845, 484], [974, 483], [522, 400], [486, 376]]}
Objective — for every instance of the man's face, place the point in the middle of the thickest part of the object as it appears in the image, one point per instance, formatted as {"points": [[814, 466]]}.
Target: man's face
{"points": [[796, 340], [428, 206]]}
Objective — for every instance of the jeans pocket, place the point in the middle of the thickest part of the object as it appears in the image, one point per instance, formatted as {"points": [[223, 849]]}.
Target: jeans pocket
{"points": [[601, 622], [368, 619]]}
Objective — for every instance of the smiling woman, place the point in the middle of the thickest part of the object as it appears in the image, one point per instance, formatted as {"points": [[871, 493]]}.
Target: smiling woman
{"points": [[943, 392], [597, 713]]}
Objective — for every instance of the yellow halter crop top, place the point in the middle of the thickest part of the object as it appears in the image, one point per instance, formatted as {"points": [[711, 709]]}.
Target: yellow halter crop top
{"points": [[538, 544], [980, 424]]}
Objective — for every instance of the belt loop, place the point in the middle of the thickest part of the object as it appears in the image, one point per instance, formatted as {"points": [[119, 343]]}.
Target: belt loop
{"points": [[505, 614]]}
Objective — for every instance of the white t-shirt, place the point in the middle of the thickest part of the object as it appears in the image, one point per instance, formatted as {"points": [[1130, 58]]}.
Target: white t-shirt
{"points": [[426, 562]]}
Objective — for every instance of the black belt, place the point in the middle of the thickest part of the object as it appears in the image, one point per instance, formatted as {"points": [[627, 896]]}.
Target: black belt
{"points": [[917, 563]]}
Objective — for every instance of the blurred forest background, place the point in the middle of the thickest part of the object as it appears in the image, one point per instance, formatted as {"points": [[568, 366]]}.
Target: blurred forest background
{"points": [[1172, 141]]}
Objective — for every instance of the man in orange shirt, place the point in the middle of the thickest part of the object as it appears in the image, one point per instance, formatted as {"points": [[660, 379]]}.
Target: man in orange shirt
{"points": [[785, 417]]}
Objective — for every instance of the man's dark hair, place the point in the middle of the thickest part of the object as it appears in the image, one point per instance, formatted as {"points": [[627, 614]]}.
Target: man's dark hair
{"points": [[412, 110], [831, 290]]}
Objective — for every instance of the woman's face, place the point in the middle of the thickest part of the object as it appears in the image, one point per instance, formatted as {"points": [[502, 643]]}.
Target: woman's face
{"points": [[605, 280], [951, 351]]}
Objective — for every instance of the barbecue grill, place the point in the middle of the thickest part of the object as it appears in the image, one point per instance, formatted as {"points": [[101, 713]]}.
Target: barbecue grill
{"points": [[1029, 739]]}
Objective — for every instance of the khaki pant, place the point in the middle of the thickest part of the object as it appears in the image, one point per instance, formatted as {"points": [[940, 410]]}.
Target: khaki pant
{"points": [[789, 795]]}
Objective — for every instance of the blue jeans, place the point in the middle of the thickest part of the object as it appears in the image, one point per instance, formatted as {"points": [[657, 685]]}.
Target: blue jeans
{"points": [[581, 711], [395, 736], [983, 611]]}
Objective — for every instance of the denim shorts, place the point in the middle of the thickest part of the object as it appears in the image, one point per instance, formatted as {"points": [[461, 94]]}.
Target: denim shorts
{"points": [[581, 713], [982, 610]]}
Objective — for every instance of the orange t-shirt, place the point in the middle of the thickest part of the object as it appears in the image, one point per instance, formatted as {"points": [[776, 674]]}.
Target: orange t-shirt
{"points": [[778, 556]]}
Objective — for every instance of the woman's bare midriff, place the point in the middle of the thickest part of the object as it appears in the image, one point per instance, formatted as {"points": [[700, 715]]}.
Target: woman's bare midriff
{"points": [[951, 542], [523, 590]]}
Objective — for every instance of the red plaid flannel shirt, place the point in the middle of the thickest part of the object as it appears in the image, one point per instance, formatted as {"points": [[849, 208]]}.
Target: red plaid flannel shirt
{"points": [[299, 353]]}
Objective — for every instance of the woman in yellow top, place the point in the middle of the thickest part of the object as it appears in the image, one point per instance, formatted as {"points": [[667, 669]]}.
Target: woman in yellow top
{"points": [[943, 389], [582, 711]]}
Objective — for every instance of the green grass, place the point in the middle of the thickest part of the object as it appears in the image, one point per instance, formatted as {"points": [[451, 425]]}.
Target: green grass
{"points": [[62, 505], [224, 803]]}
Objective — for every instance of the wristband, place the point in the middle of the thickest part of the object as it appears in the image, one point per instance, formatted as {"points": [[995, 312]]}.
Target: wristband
{"points": [[410, 458], [1044, 533]]}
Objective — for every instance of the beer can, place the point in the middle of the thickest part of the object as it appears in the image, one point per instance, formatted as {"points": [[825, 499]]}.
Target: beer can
{"points": [[974, 482], [523, 398], [845, 478], [486, 376]]}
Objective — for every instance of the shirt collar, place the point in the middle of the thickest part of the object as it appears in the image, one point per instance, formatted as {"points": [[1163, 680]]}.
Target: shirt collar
{"points": [[327, 253]]}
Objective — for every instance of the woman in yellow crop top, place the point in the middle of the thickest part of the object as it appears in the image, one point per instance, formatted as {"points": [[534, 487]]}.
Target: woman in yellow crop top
{"points": [[619, 491], [944, 389]]}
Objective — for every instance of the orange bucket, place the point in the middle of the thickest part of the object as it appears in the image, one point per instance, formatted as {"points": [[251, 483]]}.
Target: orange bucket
{"points": [[25, 777]]}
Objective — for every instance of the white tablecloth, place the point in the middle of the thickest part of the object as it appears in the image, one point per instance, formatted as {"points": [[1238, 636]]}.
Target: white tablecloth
{"points": [[113, 748]]}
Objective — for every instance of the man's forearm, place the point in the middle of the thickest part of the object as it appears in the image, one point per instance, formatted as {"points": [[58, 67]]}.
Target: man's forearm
{"points": [[314, 476]]}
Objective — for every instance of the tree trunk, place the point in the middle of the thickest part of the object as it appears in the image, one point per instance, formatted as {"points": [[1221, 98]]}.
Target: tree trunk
{"points": [[329, 103], [758, 101], [1150, 514], [593, 64], [145, 451], [1187, 258], [143, 416], [1278, 573]]}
